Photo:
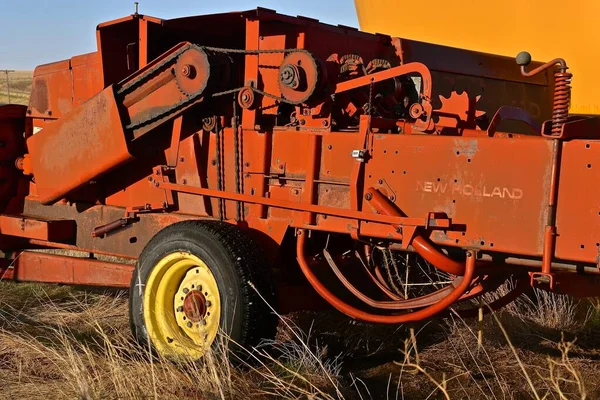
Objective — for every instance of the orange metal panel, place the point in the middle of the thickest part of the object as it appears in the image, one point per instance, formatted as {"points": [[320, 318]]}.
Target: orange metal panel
{"points": [[52, 268], [478, 182], [51, 91], [578, 209], [36, 228], [76, 149], [87, 77]]}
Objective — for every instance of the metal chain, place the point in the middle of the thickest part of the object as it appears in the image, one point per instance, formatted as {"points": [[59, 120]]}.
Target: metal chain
{"points": [[219, 172], [240, 51], [127, 88], [236, 147], [370, 98]]}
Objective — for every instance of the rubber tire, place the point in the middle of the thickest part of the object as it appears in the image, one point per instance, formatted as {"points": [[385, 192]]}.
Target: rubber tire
{"points": [[234, 259]]}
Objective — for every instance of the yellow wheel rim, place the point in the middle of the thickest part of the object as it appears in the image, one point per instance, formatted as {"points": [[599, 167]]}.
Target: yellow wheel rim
{"points": [[182, 306]]}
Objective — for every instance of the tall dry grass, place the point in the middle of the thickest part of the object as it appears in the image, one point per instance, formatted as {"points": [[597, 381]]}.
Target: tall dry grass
{"points": [[56, 343], [61, 343]]}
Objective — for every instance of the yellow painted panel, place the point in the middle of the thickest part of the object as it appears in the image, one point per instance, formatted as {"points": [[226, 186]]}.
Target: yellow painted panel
{"points": [[545, 28]]}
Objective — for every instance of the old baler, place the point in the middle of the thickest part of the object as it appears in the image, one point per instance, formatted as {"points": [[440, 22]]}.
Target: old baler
{"points": [[248, 158]]}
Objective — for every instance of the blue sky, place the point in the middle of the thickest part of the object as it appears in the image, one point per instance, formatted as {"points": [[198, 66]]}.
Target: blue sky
{"points": [[34, 32]]}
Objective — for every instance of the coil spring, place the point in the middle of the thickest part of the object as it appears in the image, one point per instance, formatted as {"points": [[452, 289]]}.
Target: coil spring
{"points": [[562, 98]]}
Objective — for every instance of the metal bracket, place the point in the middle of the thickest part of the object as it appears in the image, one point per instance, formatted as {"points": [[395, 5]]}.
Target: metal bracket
{"points": [[543, 277], [360, 155]]}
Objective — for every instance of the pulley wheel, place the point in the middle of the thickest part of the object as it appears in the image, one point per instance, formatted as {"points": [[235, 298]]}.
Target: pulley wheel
{"points": [[192, 71], [299, 77]]}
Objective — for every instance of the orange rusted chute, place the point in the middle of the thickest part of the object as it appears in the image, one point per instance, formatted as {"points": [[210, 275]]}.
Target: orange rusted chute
{"points": [[251, 157]]}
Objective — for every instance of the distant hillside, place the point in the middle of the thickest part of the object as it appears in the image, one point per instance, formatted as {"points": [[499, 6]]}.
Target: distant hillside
{"points": [[20, 87]]}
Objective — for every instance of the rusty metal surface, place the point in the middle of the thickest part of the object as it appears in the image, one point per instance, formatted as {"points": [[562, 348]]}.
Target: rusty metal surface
{"points": [[35, 228], [128, 242], [278, 124], [76, 150], [52, 268], [12, 126]]}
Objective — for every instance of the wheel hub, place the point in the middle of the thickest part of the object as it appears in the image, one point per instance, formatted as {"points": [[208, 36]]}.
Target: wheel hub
{"points": [[194, 306]]}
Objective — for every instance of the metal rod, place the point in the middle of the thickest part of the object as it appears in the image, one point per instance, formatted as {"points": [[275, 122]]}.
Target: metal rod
{"points": [[550, 229], [291, 205]]}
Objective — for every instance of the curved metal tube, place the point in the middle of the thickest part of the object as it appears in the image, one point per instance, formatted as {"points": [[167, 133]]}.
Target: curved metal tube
{"points": [[520, 287], [380, 284], [397, 304], [430, 253], [423, 246], [354, 312], [557, 61]]}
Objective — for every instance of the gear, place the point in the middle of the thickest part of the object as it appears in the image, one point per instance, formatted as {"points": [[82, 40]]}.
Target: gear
{"points": [[458, 111], [351, 66], [192, 71], [300, 76]]}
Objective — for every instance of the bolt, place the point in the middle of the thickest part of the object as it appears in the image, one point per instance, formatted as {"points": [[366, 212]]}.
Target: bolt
{"points": [[392, 198], [156, 184], [208, 303], [368, 196], [185, 290], [329, 147], [325, 123], [398, 230], [302, 122], [181, 159], [213, 162], [246, 164], [245, 97], [280, 166], [189, 324], [289, 76], [188, 71], [180, 309], [380, 181], [184, 181], [150, 178]]}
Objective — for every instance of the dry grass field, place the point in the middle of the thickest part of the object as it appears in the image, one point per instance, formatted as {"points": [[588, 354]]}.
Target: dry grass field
{"points": [[63, 343], [20, 87]]}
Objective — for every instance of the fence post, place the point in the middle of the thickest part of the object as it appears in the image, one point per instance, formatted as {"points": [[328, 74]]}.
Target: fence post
{"points": [[7, 71]]}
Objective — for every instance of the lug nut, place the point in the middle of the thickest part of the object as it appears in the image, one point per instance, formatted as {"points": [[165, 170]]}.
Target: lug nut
{"points": [[208, 303], [189, 324], [186, 290], [203, 322], [180, 309]]}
